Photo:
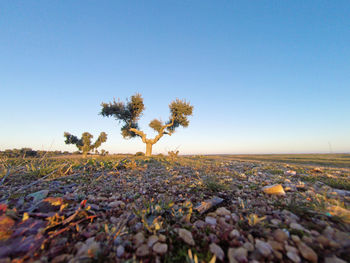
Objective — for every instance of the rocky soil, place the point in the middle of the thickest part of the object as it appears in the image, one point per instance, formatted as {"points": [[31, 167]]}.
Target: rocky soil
{"points": [[188, 209]]}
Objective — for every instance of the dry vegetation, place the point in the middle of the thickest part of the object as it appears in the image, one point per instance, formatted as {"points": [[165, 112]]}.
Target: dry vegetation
{"points": [[175, 209]]}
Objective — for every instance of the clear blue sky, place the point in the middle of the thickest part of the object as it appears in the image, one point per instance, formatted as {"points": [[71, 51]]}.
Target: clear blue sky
{"points": [[263, 76]]}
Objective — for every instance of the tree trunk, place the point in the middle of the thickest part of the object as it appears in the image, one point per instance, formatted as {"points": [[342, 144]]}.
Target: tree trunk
{"points": [[149, 149]]}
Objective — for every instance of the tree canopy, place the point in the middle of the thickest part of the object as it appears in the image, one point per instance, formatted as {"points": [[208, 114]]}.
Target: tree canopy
{"points": [[84, 143], [130, 112]]}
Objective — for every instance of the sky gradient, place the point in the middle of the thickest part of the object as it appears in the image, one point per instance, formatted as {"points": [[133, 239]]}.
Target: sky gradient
{"points": [[263, 76]]}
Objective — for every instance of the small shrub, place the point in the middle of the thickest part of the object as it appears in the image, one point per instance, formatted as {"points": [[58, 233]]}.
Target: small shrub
{"points": [[212, 183], [173, 155], [140, 154]]}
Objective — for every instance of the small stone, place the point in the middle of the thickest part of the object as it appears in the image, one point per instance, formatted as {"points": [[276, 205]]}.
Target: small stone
{"points": [[117, 204], [160, 248], [235, 217], [334, 244], [342, 238], [275, 189], [58, 259], [120, 251], [300, 185], [278, 254], [199, 224], [328, 232], [291, 249], [276, 222], [222, 222], [334, 259], [293, 257], [89, 249], [296, 226], [323, 240], [234, 233], [210, 220], [138, 239], [290, 172], [237, 254], [248, 246], [307, 252], [296, 239], [307, 239], [162, 238], [276, 245], [186, 236], [217, 251], [279, 235], [222, 211], [117, 241], [142, 251], [264, 248], [152, 240]]}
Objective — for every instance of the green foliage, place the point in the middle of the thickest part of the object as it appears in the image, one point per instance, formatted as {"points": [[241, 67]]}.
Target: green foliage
{"points": [[180, 110], [156, 125], [213, 184], [173, 155], [84, 144], [140, 154], [128, 113]]}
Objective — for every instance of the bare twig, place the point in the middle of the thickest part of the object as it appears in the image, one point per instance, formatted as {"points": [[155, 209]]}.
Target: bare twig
{"points": [[35, 182]]}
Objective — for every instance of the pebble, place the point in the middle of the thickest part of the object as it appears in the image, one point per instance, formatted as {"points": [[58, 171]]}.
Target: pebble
{"points": [[237, 254], [334, 259], [276, 245], [90, 248], [58, 259], [160, 248], [235, 217], [210, 220], [307, 252], [152, 240], [142, 251], [293, 257], [296, 226], [120, 251], [323, 241], [291, 249], [264, 248], [275, 189], [290, 172], [234, 233], [279, 235], [276, 222], [199, 224], [162, 238], [248, 246], [116, 204], [138, 239], [278, 254], [296, 239], [186, 236], [217, 251], [222, 211]]}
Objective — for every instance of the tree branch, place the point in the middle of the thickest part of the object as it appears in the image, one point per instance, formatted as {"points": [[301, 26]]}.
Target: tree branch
{"points": [[162, 131], [139, 133]]}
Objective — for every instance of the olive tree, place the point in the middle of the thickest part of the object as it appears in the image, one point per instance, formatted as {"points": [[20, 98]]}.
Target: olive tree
{"points": [[84, 143], [130, 112]]}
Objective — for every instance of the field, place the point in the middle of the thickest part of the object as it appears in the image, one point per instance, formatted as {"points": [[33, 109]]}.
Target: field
{"points": [[222, 208]]}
